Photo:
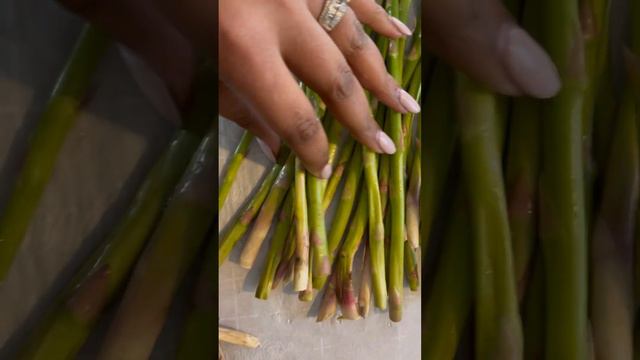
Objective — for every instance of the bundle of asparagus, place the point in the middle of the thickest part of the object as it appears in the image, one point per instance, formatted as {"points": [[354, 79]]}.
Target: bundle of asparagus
{"points": [[316, 250]]}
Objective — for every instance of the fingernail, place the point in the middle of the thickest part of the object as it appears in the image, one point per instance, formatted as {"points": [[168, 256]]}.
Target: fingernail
{"points": [[326, 172], [408, 102], [385, 142], [528, 64], [266, 150], [404, 29]]}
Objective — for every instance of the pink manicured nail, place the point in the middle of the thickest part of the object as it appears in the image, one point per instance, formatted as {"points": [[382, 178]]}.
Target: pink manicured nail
{"points": [[404, 29], [408, 102], [326, 172], [385, 142]]}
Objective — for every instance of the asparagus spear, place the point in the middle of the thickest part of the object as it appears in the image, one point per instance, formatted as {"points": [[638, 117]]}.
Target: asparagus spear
{"points": [[562, 209], [317, 233], [232, 169], [276, 249], [449, 304], [93, 288], [249, 212], [413, 195], [264, 219], [498, 328], [173, 246], [396, 188], [301, 265], [611, 290], [57, 120], [440, 136], [346, 152], [195, 342], [344, 260], [364, 297]]}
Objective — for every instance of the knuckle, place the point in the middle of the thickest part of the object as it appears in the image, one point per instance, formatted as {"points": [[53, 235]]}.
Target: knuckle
{"points": [[343, 84], [379, 12], [358, 39], [306, 127]]}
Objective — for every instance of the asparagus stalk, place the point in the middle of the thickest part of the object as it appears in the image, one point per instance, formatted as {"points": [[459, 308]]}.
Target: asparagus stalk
{"points": [[78, 309], [276, 249], [396, 188], [533, 312], [301, 265], [411, 62], [317, 233], [249, 212], [364, 297], [172, 248], [55, 123], [264, 219], [346, 152], [346, 203], [498, 328], [285, 265], [329, 300], [449, 304], [413, 195], [237, 338], [344, 261], [611, 299], [232, 169], [440, 136], [195, 342], [562, 209], [306, 295]]}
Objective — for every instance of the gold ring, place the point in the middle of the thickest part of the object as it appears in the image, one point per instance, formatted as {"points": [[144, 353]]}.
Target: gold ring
{"points": [[332, 13]]}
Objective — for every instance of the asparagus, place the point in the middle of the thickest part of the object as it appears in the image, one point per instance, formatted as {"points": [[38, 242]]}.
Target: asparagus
{"points": [[287, 261], [364, 297], [533, 311], [94, 287], [346, 152], [55, 123], [440, 136], [396, 189], [265, 217], [173, 246], [232, 169], [411, 62], [317, 233], [237, 338], [195, 342], [276, 249], [329, 300], [344, 260], [498, 328], [448, 306], [301, 264], [249, 212], [562, 204], [345, 204], [611, 294], [413, 195]]}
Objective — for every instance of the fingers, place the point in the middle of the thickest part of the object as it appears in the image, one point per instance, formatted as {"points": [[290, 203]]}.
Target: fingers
{"points": [[374, 15], [366, 61], [313, 56], [233, 109], [481, 38], [273, 94], [141, 27]]}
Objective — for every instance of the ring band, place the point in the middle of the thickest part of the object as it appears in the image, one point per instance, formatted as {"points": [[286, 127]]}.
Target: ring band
{"points": [[332, 13]]}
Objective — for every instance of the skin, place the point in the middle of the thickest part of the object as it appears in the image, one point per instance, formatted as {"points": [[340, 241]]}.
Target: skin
{"points": [[267, 45]]}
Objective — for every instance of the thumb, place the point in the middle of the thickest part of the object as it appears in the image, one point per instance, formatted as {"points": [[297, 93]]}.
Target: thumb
{"points": [[481, 38]]}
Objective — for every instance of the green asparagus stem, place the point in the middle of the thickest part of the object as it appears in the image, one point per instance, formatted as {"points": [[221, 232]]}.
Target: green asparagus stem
{"points": [[172, 248], [440, 137], [611, 290], [346, 203], [448, 307], [306, 295], [286, 263], [232, 169], [396, 187], [413, 195], [317, 232], [195, 343], [498, 328], [301, 265], [248, 213], [276, 249], [413, 58], [364, 297], [411, 266], [533, 312], [344, 260], [55, 123], [562, 204], [268, 211], [96, 283], [329, 300], [415, 90], [376, 229], [346, 152]]}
